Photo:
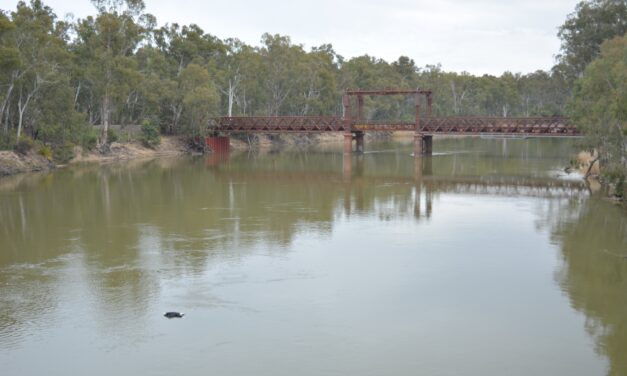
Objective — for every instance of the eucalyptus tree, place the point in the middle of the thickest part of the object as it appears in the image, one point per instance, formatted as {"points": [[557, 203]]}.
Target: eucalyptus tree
{"points": [[9, 68], [318, 93], [106, 44], [183, 47], [199, 98], [600, 107], [250, 94], [592, 22], [35, 51], [230, 72], [542, 93]]}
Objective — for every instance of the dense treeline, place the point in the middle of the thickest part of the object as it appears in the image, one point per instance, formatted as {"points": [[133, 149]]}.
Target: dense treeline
{"points": [[59, 79]]}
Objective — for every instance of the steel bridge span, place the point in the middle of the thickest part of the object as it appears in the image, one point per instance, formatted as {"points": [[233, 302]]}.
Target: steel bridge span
{"points": [[353, 126]]}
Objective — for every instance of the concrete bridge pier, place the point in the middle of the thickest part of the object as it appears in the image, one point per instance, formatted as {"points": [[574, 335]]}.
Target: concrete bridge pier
{"points": [[423, 145], [359, 142], [348, 142], [428, 145], [418, 141]]}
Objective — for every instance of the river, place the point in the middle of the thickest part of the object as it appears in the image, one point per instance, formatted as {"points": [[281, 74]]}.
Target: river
{"points": [[485, 259]]}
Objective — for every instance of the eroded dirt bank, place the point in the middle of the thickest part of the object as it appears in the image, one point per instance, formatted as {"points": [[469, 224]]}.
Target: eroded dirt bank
{"points": [[12, 163]]}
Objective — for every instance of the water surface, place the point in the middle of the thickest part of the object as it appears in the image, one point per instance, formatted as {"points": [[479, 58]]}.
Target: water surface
{"points": [[485, 259]]}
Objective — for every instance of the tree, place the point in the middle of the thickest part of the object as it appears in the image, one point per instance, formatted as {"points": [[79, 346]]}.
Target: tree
{"points": [[585, 30], [107, 44], [9, 68], [36, 57], [282, 78], [600, 107], [199, 98]]}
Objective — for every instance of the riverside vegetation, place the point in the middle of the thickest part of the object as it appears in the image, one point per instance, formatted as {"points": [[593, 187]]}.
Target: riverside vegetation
{"points": [[64, 83]]}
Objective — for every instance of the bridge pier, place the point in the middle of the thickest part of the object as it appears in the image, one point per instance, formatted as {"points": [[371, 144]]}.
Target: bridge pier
{"points": [[428, 149], [359, 142], [423, 145], [348, 142], [417, 145]]}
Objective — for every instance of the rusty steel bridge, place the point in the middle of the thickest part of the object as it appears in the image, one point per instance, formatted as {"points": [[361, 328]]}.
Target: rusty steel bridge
{"points": [[425, 127]]}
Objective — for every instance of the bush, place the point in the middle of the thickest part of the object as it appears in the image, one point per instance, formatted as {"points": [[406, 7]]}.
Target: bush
{"points": [[46, 152], [112, 136], [24, 145], [615, 176], [89, 140], [6, 142], [63, 153], [150, 136]]}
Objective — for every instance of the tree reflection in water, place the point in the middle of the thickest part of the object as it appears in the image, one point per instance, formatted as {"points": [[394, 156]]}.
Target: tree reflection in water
{"points": [[594, 274]]}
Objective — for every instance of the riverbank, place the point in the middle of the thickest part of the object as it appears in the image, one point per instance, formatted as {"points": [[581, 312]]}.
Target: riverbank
{"points": [[12, 163]]}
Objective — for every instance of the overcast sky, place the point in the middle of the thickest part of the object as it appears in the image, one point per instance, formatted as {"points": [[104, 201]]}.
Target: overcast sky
{"points": [[477, 36]]}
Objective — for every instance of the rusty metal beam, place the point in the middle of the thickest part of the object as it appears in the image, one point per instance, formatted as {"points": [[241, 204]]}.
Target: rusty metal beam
{"points": [[531, 126], [388, 92]]}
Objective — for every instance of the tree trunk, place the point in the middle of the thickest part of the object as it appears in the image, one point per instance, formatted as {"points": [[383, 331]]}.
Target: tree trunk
{"points": [[105, 119], [590, 167], [21, 107], [78, 91], [4, 108], [231, 96], [19, 124]]}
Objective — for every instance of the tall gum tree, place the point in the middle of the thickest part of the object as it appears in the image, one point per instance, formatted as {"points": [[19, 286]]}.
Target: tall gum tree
{"points": [[584, 31], [108, 42], [34, 57], [600, 107]]}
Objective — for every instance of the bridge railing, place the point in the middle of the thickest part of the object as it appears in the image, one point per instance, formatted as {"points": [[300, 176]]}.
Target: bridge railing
{"points": [[278, 124], [545, 126], [528, 126]]}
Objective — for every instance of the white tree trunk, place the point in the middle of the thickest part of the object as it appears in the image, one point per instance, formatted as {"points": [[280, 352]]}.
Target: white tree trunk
{"points": [[231, 96], [22, 104], [105, 119], [4, 108]]}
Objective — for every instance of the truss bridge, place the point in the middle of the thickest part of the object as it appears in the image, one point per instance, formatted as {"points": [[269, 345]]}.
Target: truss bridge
{"points": [[353, 126]]}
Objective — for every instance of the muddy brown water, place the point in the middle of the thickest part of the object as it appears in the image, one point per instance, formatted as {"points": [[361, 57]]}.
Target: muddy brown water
{"points": [[485, 259]]}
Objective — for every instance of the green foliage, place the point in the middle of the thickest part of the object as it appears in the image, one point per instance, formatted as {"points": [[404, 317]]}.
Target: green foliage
{"points": [[600, 107], [63, 153], [616, 177], [112, 136], [46, 152], [89, 139], [24, 145], [150, 136], [592, 23]]}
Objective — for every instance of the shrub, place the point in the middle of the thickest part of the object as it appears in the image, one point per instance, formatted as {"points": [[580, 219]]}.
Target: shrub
{"points": [[150, 136], [63, 153], [112, 136], [46, 152], [89, 140], [616, 177], [24, 145]]}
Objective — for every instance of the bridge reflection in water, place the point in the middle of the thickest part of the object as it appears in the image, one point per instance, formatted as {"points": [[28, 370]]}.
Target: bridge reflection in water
{"points": [[363, 192]]}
